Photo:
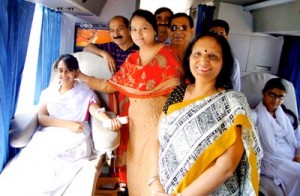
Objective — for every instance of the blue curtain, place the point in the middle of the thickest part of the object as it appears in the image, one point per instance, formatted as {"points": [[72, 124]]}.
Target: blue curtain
{"points": [[15, 24], [49, 49], [289, 67], [204, 18]]}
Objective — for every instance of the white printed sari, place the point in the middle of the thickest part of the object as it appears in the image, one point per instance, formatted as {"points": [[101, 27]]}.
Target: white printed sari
{"points": [[196, 132]]}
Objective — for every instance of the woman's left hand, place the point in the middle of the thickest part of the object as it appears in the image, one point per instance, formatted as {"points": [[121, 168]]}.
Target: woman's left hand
{"points": [[115, 124], [297, 159], [156, 193], [157, 189]]}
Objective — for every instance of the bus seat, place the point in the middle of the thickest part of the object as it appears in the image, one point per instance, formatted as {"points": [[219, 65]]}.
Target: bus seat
{"points": [[24, 125], [251, 86]]}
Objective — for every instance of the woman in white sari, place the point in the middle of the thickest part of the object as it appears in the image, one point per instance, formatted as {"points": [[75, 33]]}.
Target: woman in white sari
{"points": [[207, 142], [278, 138], [58, 150]]}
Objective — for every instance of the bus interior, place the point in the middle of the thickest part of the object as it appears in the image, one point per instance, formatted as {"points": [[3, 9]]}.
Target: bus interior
{"points": [[264, 37]]}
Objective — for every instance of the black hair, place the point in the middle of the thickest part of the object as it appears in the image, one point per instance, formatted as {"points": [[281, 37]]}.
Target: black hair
{"points": [[279, 83], [223, 79], [147, 15], [181, 14], [291, 113], [220, 23], [275, 83], [163, 9], [125, 20], [70, 61]]}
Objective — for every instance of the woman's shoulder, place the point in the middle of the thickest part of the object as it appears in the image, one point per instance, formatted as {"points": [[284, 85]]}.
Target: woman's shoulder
{"points": [[171, 54], [238, 98], [175, 97], [83, 87], [235, 94], [168, 49]]}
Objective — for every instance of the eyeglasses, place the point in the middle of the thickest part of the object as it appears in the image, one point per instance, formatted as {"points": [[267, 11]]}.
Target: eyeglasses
{"points": [[275, 96], [217, 32], [181, 27]]}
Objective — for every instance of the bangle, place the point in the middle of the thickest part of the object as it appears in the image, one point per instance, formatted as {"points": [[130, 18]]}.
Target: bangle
{"points": [[152, 180], [100, 110]]}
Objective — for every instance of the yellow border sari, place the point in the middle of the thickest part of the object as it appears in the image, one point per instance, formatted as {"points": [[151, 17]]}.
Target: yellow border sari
{"points": [[196, 132]]}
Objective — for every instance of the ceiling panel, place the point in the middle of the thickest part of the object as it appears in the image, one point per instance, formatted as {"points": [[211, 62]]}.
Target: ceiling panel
{"points": [[242, 2]]}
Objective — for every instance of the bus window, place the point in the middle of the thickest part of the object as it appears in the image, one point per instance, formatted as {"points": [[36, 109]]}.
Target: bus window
{"points": [[26, 94]]}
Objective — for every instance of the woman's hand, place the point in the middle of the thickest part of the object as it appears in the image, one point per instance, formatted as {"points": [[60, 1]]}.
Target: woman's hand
{"points": [[115, 124], [297, 155], [157, 193], [76, 127], [156, 188], [297, 159]]}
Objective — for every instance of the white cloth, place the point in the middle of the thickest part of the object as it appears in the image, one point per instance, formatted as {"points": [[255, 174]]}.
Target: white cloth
{"points": [[47, 165], [279, 142], [236, 76]]}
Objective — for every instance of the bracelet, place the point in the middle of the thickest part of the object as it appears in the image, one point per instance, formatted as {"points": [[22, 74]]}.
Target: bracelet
{"points": [[100, 110], [152, 180]]}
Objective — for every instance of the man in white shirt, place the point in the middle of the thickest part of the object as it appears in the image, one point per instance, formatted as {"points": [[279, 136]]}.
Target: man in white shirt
{"points": [[163, 16], [221, 27]]}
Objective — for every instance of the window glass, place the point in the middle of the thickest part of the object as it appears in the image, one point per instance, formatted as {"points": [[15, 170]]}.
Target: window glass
{"points": [[26, 94]]}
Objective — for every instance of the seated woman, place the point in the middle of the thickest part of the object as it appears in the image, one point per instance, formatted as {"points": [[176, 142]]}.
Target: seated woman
{"points": [[278, 138], [207, 142], [58, 150]]}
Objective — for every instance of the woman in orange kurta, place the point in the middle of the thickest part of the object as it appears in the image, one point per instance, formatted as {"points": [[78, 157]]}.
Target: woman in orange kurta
{"points": [[146, 77]]}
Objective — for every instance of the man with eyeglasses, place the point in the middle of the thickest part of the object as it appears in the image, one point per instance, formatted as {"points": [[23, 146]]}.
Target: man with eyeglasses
{"points": [[181, 31], [163, 16], [221, 28], [115, 52], [279, 134]]}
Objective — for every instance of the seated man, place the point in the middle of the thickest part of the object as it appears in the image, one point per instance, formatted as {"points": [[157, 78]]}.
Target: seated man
{"points": [[278, 138]]}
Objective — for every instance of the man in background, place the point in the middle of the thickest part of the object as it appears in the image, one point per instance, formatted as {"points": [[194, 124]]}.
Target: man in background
{"points": [[221, 27], [163, 16], [115, 52], [181, 31]]}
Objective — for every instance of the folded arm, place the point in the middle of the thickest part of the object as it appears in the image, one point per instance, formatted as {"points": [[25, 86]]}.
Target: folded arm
{"points": [[48, 121], [218, 172]]}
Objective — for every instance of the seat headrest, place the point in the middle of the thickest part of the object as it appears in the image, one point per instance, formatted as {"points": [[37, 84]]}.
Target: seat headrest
{"points": [[94, 65], [252, 85]]}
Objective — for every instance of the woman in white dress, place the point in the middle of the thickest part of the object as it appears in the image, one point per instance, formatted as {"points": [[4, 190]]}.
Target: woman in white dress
{"points": [[58, 150], [279, 138]]}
